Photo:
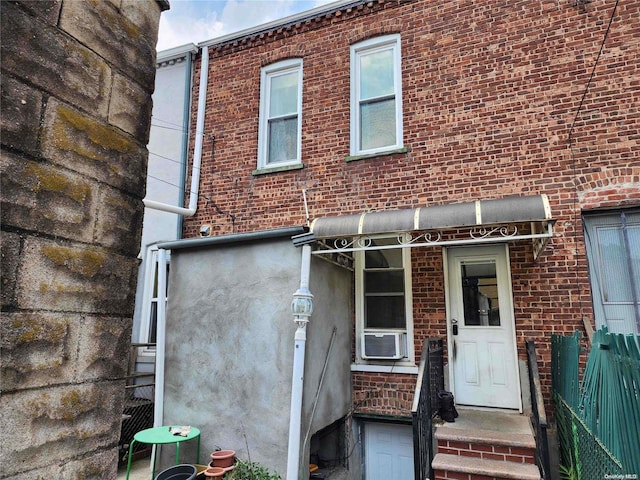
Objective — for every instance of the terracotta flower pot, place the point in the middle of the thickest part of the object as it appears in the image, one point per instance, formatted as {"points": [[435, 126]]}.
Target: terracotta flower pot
{"points": [[222, 458], [214, 472]]}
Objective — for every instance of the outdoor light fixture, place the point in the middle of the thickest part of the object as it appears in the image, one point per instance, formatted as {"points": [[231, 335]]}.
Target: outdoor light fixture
{"points": [[302, 304]]}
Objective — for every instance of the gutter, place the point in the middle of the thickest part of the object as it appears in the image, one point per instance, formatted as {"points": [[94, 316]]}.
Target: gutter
{"points": [[284, 22], [197, 154]]}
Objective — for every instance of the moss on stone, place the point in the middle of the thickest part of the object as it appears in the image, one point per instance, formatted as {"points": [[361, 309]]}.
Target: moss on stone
{"points": [[103, 138], [51, 181], [84, 262], [31, 329]]}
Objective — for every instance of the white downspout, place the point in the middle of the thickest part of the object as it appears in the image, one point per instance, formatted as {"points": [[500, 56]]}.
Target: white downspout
{"points": [[158, 407], [160, 338], [302, 307], [197, 152]]}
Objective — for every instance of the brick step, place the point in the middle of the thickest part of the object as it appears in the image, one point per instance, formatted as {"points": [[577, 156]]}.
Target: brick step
{"points": [[487, 444], [447, 466]]}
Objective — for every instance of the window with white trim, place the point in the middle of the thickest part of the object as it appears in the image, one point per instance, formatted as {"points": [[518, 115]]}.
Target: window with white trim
{"points": [[613, 253], [149, 314], [280, 126], [376, 95], [384, 316]]}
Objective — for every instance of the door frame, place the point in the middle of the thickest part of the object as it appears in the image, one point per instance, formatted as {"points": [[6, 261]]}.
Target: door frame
{"points": [[445, 265]]}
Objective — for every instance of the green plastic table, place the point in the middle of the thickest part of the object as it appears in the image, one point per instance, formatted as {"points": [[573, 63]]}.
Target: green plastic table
{"points": [[161, 436]]}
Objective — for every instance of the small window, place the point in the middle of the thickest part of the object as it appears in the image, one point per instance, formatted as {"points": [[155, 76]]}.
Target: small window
{"points": [[376, 99], [613, 253], [149, 320], [383, 300], [280, 114]]}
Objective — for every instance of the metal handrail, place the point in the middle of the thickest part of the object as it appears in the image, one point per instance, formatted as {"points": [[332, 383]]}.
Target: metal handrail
{"points": [[539, 412]]}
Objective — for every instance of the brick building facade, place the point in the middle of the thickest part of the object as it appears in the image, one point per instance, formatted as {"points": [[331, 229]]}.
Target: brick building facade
{"points": [[492, 99], [479, 101]]}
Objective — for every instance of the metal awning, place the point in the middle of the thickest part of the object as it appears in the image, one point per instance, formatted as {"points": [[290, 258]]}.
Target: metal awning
{"points": [[497, 220]]}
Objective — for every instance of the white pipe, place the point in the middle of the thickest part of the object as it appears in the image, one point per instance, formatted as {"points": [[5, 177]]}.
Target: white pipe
{"points": [[160, 338], [158, 408], [197, 152], [297, 380]]}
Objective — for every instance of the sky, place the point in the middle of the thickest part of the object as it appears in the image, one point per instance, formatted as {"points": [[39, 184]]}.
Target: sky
{"points": [[194, 21]]}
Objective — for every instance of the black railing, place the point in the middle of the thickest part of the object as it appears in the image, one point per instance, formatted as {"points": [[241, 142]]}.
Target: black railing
{"points": [[539, 413], [138, 407], [430, 378]]}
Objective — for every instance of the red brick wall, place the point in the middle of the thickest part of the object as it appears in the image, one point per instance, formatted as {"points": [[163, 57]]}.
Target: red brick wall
{"points": [[490, 92]]}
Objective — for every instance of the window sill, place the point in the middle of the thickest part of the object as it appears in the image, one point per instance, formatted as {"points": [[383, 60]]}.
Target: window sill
{"points": [[281, 168], [405, 367], [355, 158]]}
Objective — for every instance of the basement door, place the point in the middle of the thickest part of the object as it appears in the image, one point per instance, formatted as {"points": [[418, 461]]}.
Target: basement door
{"points": [[481, 330], [388, 451]]}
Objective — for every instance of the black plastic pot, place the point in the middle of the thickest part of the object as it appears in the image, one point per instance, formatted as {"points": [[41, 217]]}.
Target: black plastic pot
{"points": [[178, 472]]}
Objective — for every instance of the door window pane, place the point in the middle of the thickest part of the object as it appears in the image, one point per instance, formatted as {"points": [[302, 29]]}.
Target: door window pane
{"points": [[480, 293]]}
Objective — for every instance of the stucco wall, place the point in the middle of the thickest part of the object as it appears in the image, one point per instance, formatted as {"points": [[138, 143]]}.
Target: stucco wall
{"points": [[230, 337], [76, 89]]}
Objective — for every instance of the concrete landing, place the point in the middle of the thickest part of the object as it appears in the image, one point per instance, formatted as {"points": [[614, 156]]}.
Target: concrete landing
{"points": [[493, 427]]}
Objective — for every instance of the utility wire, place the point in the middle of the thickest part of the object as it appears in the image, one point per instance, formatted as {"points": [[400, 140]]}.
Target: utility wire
{"points": [[593, 71], [574, 164]]}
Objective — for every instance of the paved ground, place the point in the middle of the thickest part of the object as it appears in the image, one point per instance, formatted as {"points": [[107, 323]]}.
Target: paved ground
{"points": [[139, 471]]}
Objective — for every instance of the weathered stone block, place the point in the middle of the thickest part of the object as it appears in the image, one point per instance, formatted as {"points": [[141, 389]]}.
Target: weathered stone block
{"points": [[130, 108], [61, 423], [38, 349], [145, 15], [103, 350], [119, 221], [20, 110], [75, 278], [10, 255], [83, 144], [113, 36], [101, 466], [41, 197], [44, 349], [47, 10], [41, 54]]}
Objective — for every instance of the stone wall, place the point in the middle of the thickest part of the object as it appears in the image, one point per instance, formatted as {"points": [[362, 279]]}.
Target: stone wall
{"points": [[77, 79]]}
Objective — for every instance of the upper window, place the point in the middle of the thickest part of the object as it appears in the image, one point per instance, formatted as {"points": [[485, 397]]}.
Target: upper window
{"points": [[376, 96], [613, 252], [280, 114]]}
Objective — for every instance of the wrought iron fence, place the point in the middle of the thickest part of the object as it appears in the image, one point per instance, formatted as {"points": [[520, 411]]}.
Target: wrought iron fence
{"points": [[139, 405], [539, 413], [430, 378], [599, 418]]}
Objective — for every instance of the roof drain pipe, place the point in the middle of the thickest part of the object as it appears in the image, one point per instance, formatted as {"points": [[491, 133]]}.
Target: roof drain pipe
{"points": [[158, 407], [302, 308], [197, 151]]}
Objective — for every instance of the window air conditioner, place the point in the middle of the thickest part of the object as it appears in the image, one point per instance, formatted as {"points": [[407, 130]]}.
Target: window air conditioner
{"points": [[383, 345]]}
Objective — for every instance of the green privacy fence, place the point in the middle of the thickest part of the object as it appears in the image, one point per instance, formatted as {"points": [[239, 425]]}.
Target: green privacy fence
{"points": [[599, 417]]}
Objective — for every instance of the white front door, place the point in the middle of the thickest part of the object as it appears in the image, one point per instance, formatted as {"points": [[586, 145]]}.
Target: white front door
{"points": [[388, 451], [481, 330]]}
